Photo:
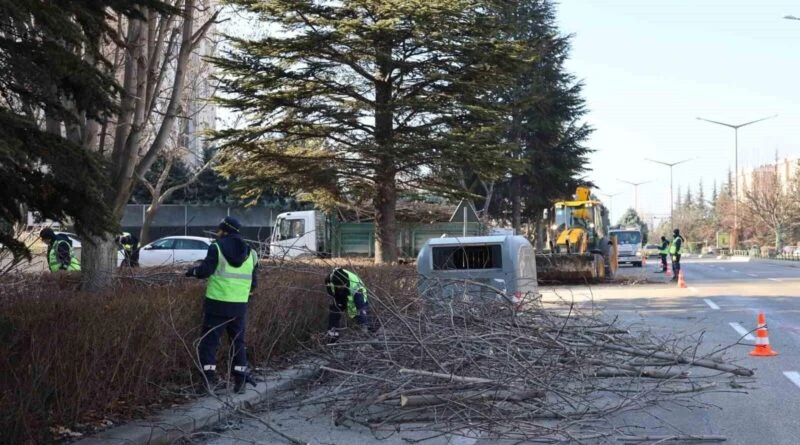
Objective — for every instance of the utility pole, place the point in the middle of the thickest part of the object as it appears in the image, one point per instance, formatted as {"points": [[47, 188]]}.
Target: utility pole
{"points": [[635, 192], [671, 200], [610, 197], [734, 240]]}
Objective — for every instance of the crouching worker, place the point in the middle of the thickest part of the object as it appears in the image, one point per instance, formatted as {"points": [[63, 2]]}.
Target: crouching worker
{"points": [[349, 295], [60, 255], [230, 266]]}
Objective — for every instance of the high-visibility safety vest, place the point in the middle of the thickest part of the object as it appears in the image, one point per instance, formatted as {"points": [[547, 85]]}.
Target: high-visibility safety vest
{"points": [[664, 250], [231, 284], [673, 248], [52, 257], [355, 286]]}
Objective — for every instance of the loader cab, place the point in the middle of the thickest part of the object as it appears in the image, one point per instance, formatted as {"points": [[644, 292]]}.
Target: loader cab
{"points": [[591, 216]]}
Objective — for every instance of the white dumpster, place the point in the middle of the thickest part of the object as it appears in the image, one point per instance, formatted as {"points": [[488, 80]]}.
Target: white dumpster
{"points": [[478, 268]]}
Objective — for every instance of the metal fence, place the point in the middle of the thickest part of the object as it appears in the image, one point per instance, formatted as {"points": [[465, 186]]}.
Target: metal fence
{"points": [[171, 220]]}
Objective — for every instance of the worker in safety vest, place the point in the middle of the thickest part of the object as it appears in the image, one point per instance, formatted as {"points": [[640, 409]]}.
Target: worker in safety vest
{"points": [[230, 266], [349, 294], [675, 252], [663, 252], [130, 248], [60, 255]]}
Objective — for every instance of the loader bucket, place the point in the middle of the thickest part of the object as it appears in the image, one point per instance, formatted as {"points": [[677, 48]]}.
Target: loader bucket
{"points": [[569, 268]]}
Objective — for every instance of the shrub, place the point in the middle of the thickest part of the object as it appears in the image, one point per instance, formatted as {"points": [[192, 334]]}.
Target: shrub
{"points": [[68, 356]]}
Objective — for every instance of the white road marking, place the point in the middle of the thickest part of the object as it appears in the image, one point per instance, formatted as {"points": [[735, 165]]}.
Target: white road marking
{"points": [[742, 331], [793, 377], [711, 304], [752, 275], [735, 271], [774, 279]]}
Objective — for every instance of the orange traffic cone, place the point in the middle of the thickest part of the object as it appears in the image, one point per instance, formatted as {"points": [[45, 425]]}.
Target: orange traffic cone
{"points": [[669, 272], [681, 281], [762, 348], [644, 259]]}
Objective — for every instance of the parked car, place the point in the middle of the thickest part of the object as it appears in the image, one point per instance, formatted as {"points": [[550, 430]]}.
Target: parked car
{"points": [[652, 250], [174, 250]]}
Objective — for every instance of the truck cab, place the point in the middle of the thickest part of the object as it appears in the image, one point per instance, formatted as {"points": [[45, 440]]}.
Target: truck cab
{"points": [[300, 234], [629, 245]]}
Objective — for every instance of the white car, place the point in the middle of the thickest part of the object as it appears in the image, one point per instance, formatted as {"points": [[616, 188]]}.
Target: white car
{"points": [[174, 250]]}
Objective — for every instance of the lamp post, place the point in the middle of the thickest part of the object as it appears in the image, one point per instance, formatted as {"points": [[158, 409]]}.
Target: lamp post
{"points": [[735, 238], [635, 192], [610, 197], [671, 200]]}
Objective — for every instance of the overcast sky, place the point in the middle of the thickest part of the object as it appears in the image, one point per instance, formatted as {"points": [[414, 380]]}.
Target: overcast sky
{"points": [[651, 68]]}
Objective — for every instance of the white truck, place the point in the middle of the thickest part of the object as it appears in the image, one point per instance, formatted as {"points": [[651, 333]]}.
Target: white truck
{"points": [[300, 234], [629, 245], [311, 233]]}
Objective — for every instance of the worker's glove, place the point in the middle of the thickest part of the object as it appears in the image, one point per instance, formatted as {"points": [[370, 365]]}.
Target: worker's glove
{"points": [[190, 272]]}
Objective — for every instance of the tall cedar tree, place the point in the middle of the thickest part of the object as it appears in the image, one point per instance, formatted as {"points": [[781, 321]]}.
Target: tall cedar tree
{"points": [[52, 70], [367, 97], [545, 124]]}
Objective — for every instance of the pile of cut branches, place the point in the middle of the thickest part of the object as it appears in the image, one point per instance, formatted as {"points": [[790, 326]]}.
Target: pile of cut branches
{"points": [[485, 371]]}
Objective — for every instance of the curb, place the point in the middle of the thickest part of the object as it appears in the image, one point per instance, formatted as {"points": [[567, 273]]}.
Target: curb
{"points": [[172, 424]]}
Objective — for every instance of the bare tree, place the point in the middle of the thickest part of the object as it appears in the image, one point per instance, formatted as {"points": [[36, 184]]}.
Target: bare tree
{"points": [[159, 194], [154, 55], [769, 203]]}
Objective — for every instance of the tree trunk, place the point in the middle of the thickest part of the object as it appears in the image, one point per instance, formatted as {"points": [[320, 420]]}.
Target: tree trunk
{"points": [[540, 234], [385, 172], [385, 218], [98, 262], [516, 204], [149, 216]]}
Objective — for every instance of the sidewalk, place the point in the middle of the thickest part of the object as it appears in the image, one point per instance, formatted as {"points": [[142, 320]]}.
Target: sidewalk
{"points": [[173, 424]]}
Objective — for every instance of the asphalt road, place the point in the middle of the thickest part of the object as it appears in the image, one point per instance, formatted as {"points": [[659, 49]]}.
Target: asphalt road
{"points": [[719, 307]]}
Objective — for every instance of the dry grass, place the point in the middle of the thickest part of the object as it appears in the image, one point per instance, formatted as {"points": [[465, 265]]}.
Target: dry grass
{"points": [[68, 357]]}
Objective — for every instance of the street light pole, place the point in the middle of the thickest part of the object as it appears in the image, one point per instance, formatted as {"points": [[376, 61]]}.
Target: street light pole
{"points": [[635, 192], [610, 197], [735, 238], [671, 200]]}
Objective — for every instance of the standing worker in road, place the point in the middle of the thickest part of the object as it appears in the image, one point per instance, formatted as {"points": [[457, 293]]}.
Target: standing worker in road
{"points": [[349, 294], [675, 251], [230, 266], [663, 252], [60, 255]]}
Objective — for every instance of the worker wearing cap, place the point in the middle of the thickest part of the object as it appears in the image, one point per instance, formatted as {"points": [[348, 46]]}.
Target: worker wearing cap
{"points": [[675, 252], [663, 252], [230, 266], [349, 294], [130, 247], [60, 255]]}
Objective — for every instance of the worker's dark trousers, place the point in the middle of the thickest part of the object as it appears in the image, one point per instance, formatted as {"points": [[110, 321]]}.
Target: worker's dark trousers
{"points": [[213, 327], [663, 262], [676, 265], [339, 307]]}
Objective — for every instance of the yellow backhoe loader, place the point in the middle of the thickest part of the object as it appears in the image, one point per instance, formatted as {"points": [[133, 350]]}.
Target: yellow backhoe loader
{"points": [[580, 247]]}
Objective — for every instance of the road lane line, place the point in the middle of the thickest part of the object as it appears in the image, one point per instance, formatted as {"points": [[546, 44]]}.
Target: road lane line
{"points": [[774, 279], [793, 377], [752, 275], [742, 331], [735, 271], [711, 304], [693, 290]]}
